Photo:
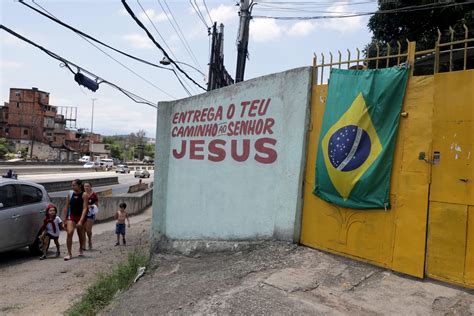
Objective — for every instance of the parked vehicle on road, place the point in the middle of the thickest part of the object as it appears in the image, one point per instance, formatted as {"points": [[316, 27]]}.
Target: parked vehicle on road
{"points": [[92, 165], [142, 173], [106, 163], [22, 210], [85, 159], [122, 169]]}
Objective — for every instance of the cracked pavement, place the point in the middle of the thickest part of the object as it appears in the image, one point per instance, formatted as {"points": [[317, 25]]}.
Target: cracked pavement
{"points": [[282, 278]]}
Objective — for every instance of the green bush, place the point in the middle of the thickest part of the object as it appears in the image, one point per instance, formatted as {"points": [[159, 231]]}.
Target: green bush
{"points": [[101, 293]]}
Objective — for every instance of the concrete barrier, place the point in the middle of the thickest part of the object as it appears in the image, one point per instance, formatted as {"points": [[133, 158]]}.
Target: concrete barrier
{"points": [[137, 187], [54, 186], [35, 170], [108, 205]]}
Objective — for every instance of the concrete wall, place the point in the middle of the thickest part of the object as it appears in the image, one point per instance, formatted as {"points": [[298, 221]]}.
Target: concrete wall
{"points": [[225, 185], [108, 205]]}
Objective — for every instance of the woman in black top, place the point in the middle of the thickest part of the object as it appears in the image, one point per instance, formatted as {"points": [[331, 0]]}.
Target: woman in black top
{"points": [[75, 211]]}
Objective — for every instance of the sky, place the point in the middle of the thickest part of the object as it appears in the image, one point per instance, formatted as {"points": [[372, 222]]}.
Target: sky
{"points": [[274, 46]]}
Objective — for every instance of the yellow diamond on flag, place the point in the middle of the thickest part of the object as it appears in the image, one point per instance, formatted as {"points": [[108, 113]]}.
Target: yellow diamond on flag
{"points": [[350, 147]]}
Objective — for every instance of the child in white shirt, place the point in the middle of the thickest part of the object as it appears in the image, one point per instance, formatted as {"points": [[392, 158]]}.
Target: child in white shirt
{"points": [[52, 227]]}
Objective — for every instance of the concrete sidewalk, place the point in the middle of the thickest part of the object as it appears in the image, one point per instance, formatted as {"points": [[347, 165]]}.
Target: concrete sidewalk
{"points": [[284, 279]]}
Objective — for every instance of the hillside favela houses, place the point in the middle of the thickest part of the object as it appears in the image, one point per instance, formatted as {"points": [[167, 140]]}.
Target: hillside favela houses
{"points": [[44, 131]]}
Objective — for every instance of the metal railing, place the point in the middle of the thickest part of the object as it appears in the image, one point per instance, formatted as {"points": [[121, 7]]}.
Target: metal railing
{"points": [[452, 55]]}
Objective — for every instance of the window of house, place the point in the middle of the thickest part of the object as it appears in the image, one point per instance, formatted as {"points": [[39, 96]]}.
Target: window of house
{"points": [[17, 93], [18, 104], [6, 116], [25, 132], [54, 138], [7, 129]]}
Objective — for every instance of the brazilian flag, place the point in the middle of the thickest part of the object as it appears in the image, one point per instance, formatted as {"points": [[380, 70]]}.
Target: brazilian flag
{"points": [[358, 136]]}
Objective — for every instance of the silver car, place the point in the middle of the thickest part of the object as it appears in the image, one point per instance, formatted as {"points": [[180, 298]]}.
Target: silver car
{"points": [[122, 169], [142, 173], [22, 210]]}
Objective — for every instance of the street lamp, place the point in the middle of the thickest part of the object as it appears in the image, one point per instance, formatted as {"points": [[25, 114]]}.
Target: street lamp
{"points": [[91, 142], [165, 61]]}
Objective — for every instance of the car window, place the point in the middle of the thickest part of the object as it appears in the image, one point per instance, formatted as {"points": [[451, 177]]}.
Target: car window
{"points": [[30, 194], [8, 196]]}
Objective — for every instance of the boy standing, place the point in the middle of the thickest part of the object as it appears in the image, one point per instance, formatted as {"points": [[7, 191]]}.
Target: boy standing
{"points": [[121, 216]]}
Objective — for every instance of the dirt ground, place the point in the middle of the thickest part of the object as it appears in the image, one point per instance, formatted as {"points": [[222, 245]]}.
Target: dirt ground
{"points": [[283, 279], [29, 286], [266, 278]]}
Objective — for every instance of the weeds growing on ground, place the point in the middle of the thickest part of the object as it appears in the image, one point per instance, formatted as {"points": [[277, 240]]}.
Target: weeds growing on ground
{"points": [[101, 293]]}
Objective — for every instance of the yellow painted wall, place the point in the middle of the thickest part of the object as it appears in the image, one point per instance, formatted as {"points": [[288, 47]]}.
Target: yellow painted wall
{"points": [[395, 238], [451, 222]]}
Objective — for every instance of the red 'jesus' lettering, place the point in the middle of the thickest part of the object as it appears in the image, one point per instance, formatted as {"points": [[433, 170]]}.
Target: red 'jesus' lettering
{"points": [[264, 149]]}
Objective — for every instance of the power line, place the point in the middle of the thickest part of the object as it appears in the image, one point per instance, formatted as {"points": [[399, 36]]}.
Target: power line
{"points": [[207, 10], [166, 44], [54, 19], [199, 14], [399, 10], [134, 17], [180, 34], [111, 57], [136, 98], [156, 29]]}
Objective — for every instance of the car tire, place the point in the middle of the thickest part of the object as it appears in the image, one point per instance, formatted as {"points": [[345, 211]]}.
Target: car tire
{"points": [[36, 247], [148, 176], [128, 171]]}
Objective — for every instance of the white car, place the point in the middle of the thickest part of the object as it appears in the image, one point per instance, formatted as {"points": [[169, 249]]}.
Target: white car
{"points": [[122, 169], [142, 173], [92, 165], [85, 159], [22, 210]]}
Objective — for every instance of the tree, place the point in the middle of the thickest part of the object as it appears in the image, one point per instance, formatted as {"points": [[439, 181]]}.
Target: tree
{"points": [[418, 25], [150, 150], [3, 148]]}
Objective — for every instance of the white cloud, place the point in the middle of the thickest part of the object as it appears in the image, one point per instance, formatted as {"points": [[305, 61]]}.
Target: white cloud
{"points": [[122, 11], [265, 30], [154, 17], [302, 28], [224, 13], [343, 25], [121, 120], [7, 39], [10, 64], [138, 41]]}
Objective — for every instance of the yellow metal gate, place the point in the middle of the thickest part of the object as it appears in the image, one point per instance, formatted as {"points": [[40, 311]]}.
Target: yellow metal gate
{"points": [[430, 228], [450, 253]]}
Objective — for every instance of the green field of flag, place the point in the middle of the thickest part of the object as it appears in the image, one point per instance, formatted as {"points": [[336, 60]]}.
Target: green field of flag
{"points": [[358, 136]]}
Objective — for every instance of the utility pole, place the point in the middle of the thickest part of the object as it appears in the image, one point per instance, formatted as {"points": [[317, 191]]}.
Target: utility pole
{"points": [[218, 75], [243, 39], [91, 142]]}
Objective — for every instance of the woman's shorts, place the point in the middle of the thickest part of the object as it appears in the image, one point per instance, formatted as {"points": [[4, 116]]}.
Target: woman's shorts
{"points": [[74, 218]]}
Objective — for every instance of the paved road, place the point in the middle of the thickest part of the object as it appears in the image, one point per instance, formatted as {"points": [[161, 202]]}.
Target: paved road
{"points": [[125, 180]]}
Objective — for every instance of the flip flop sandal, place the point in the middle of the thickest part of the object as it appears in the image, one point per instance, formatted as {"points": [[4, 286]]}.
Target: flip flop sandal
{"points": [[67, 258]]}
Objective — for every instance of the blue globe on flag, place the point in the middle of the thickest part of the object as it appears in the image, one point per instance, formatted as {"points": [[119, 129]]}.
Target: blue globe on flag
{"points": [[349, 147]]}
